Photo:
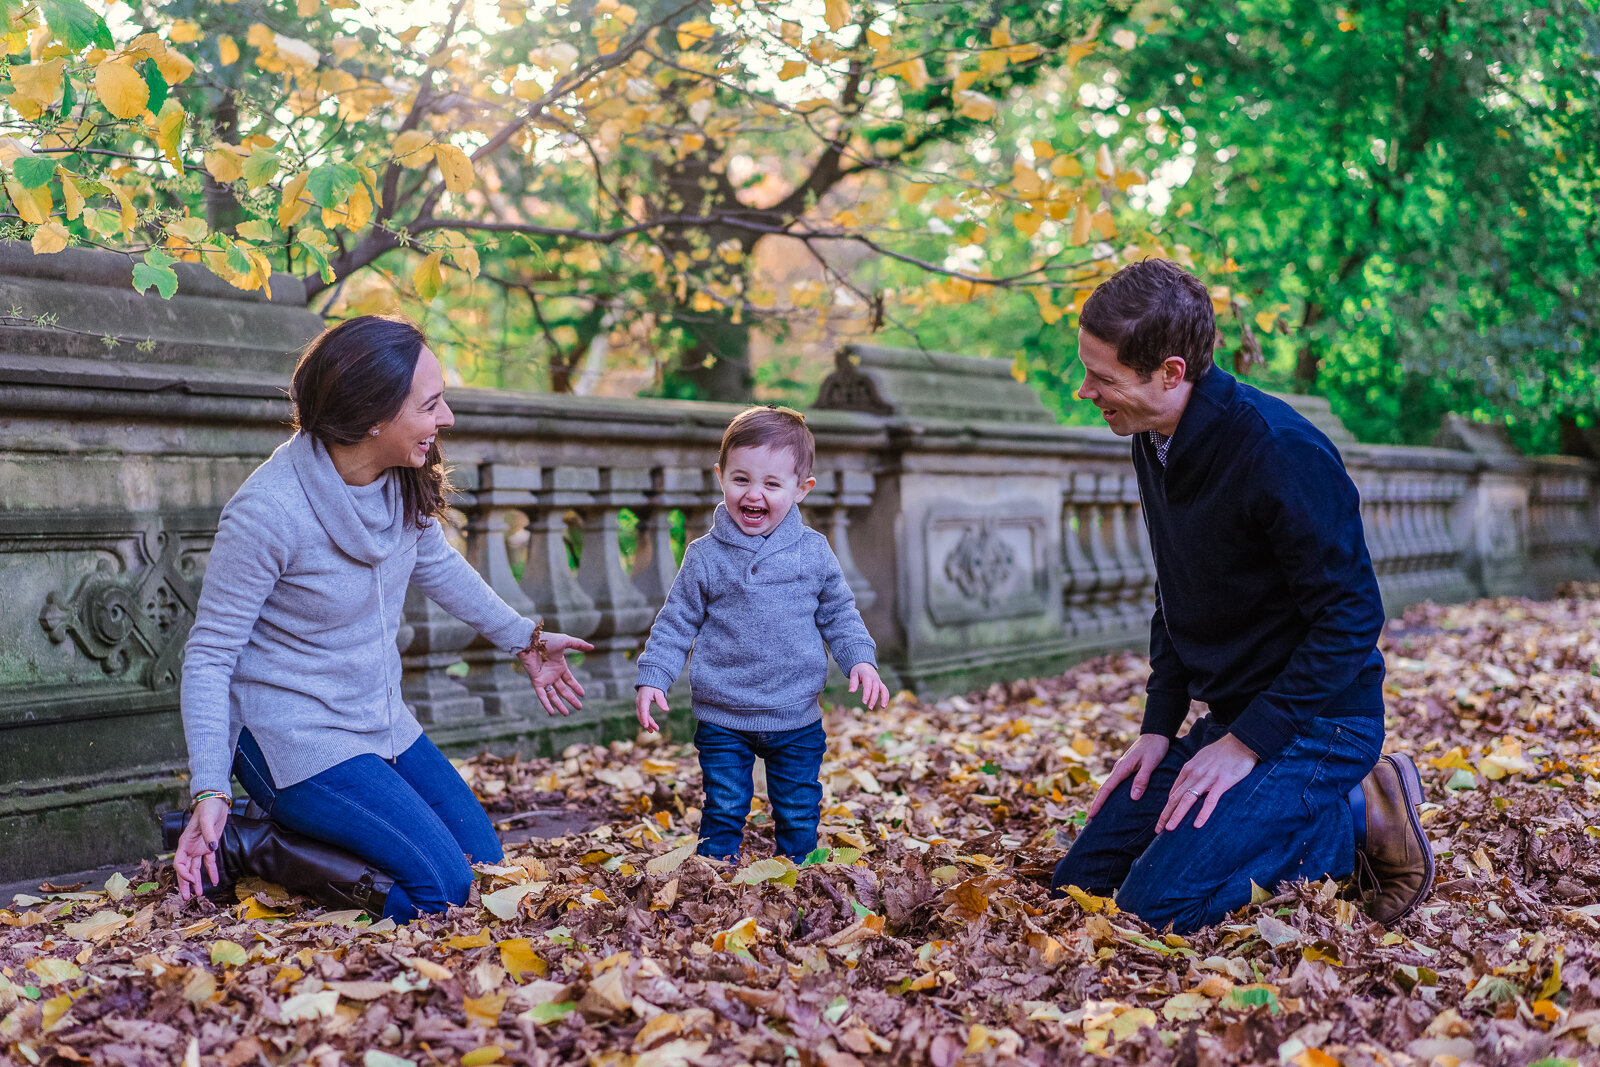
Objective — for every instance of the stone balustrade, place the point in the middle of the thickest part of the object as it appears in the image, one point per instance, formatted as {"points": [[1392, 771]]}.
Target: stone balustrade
{"points": [[983, 541]]}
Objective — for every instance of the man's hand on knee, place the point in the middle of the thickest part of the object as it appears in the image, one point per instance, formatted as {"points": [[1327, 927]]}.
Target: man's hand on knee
{"points": [[1213, 771], [1140, 761]]}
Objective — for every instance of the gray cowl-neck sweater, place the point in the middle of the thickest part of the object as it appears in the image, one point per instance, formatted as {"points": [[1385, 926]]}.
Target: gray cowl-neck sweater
{"points": [[295, 633]]}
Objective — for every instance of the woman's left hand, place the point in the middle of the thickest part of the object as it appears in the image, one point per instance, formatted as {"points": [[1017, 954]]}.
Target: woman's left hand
{"points": [[552, 679]]}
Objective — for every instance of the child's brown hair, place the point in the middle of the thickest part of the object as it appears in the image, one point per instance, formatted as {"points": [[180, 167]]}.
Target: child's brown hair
{"points": [[775, 426]]}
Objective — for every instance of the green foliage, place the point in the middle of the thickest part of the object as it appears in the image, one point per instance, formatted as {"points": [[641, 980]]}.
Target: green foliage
{"points": [[1409, 194]]}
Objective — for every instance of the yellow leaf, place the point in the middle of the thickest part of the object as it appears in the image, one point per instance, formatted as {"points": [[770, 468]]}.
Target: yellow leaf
{"points": [[1453, 760], [120, 89], [224, 165], [229, 953], [194, 229], [1131, 1022], [37, 83], [668, 862], [358, 209], [428, 277], [429, 969], [174, 66], [292, 209], [306, 8], [71, 197], [1315, 1057], [51, 970], [48, 239], [692, 33], [837, 12], [1043, 150], [32, 204], [792, 69], [413, 148], [184, 32], [518, 958], [1104, 224], [974, 105], [1103, 168], [169, 131], [1080, 226], [1091, 903], [1127, 179], [484, 1010], [1027, 222], [466, 941], [455, 166], [254, 909], [1066, 167], [227, 51], [482, 1056]]}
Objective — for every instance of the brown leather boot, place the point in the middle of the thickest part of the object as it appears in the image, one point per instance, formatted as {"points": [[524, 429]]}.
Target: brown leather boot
{"points": [[1393, 856]]}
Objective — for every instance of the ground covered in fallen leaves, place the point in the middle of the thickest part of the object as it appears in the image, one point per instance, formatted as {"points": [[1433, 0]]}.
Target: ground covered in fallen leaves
{"points": [[927, 935]]}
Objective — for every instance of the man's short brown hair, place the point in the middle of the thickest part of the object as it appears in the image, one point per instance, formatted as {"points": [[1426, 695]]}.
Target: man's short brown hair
{"points": [[776, 426], [1151, 311]]}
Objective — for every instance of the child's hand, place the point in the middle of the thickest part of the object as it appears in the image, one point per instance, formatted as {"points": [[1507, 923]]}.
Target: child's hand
{"points": [[873, 692], [643, 698]]}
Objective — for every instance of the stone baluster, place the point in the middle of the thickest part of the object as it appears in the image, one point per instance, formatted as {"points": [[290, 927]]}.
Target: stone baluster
{"points": [[655, 566], [1373, 519], [432, 641], [547, 577], [494, 676], [1419, 543], [1126, 529], [841, 491], [1081, 579], [1444, 546], [1102, 525], [625, 614]]}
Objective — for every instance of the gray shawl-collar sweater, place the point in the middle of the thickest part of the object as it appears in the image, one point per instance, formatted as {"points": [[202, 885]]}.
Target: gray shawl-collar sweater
{"points": [[757, 611], [295, 633]]}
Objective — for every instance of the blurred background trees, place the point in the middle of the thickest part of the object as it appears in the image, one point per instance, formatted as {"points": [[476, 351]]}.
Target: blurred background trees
{"points": [[1394, 203]]}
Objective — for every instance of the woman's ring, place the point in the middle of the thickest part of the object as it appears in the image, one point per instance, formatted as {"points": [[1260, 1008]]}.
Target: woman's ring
{"points": [[1191, 792]]}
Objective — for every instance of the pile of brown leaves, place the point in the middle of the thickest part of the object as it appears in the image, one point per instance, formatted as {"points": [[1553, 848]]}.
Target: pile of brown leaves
{"points": [[927, 935]]}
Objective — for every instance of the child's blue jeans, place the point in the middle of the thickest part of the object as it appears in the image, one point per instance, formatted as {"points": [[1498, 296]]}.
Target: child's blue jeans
{"points": [[727, 760], [413, 818]]}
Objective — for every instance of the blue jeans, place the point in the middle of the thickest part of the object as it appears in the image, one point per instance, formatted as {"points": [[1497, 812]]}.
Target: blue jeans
{"points": [[1288, 819], [794, 760], [412, 818]]}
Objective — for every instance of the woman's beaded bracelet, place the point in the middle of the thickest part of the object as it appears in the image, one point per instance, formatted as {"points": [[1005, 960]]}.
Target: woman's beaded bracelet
{"points": [[209, 794]]}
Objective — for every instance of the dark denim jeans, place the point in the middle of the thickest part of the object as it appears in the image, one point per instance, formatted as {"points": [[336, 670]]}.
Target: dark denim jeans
{"points": [[413, 818], [794, 760], [1288, 819]]}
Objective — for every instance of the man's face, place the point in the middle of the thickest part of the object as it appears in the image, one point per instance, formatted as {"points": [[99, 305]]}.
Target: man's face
{"points": [[1128, 405]]}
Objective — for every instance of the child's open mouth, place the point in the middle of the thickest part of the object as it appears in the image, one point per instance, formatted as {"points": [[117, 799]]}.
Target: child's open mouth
{"points": [[753, 516]]}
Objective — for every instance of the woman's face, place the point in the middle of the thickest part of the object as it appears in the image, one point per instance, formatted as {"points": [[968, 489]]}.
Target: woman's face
{"points": [[407, 440]]}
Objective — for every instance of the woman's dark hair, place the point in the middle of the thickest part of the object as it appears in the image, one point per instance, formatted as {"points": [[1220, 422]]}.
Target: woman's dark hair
{"points": [[1151, 311], [355, 375]]}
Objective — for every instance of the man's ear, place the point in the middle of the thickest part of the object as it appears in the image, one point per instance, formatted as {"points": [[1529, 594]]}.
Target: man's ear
{"points": [[1173, 368], [805, 487]]}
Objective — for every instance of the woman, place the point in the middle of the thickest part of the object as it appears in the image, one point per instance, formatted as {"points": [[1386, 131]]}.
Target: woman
{"points": [[292, 662]]}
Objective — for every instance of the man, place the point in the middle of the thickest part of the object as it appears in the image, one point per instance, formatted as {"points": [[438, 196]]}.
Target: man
{"points": [[1267, 609]]}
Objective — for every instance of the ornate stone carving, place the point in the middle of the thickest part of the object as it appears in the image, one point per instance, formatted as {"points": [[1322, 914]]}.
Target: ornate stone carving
{"points": [[980, 564], [987, 566], [131, 619], [847, 389]]}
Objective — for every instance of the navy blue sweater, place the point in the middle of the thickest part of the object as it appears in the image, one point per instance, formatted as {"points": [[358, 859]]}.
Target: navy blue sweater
{"points": [[1267, 608]]}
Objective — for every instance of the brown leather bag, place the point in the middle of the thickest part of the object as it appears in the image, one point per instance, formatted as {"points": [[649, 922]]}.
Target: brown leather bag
{"points": [[258, 846]]}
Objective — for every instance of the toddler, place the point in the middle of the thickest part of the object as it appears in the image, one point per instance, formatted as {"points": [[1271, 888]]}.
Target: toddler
{"points": [[757, 598]]}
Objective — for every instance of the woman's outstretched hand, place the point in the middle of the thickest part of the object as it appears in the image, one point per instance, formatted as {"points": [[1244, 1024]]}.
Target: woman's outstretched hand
{"points": [[202, 835], [552, 678]]}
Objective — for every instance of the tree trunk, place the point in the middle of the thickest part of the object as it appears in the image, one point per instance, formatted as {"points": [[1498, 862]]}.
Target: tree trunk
{"points": [[1306, 360], [716, 366]]}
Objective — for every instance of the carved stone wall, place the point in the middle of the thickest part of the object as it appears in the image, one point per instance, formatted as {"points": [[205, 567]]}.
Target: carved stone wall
{"points": [[979, 549]]}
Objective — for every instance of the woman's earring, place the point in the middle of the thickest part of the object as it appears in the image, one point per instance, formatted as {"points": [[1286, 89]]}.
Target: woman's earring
{"points": [[374, 431]]}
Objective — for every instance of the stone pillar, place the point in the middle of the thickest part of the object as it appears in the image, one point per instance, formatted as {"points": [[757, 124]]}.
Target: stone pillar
{"points": [[494, 676], [625, 614]]}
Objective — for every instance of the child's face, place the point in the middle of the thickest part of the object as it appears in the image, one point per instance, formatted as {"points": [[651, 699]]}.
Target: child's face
{"points": [[759, 487]]}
